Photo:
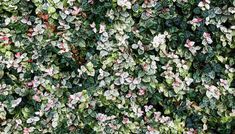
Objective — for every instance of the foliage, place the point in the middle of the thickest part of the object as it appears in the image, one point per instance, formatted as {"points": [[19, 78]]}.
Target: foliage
{"points": [[117, 66]]}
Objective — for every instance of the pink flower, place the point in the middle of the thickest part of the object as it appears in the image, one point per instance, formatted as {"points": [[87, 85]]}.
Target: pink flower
{"points": [[196, 20], [150, 128], [141, 92], [224, 83], [76, 96], [145, 118], [30, 60], [76, 11], [36, 98], [157, 115], [148, 13], [139, 112], [91, 1], [125, 120], [164, 119], [49, 105], [207, 37], [164, 10], [102, 28], [17, 55], [26, 131], [101, 117], [14, 18], [36, 83], [112, 126], [5, 38], [92, 25], [18, 123], [30, 84], [129, 95], [212, 91], [145, 67], [189, 43], [191, 131], [49, 71], [62, 48], [177, 83], [147, 108]]}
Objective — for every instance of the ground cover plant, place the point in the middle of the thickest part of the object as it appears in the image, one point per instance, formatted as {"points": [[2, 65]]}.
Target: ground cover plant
{"points": [[117, 66]]}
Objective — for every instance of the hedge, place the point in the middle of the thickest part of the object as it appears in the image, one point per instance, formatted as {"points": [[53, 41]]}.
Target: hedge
{"points": [[117, 66]]}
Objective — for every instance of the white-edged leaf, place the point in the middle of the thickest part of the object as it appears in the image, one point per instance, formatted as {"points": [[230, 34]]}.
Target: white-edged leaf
{"points": [[16, 102]]}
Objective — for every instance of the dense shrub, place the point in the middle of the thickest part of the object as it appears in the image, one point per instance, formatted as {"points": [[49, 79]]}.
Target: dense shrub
{"points": [[117, 66]]}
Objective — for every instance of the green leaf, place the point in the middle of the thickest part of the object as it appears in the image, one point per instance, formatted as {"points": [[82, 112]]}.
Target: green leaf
{"points": [[51, 10]]}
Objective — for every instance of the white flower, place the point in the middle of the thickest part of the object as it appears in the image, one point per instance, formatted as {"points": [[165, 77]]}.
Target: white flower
{"points": [[122, 78], [232, 113], [33, 119], [190, 131], [204, 4], [75, 97], [148, 108], [229, 69], [111, 94], [101, 117], [139, 46], [16, 102], [124, 3], [104, 37], [231, 10], [157, 116], [207, 37], [164, 119], [177, 83], [49, 71], [89, 69], [102, 28], [204, 127], [159, 40], [151, 130], [212, 91], [139, 112], [190, 45], [110, 14], [25, 21], [63, 47], [133, 82], [224, 83], [92, 25], [188, 80], [121, 39], [38, 29], [102, 74], [183, 0]]}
